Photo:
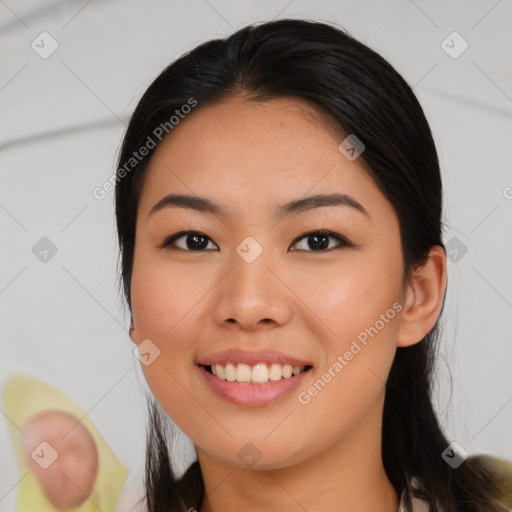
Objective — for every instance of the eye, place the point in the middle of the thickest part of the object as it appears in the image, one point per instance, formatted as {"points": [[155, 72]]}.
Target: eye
{"points": [[196, 241], [319, 240]]}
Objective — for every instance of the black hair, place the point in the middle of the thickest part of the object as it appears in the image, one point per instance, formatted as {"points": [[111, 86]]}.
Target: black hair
{"points": [[360, 93]]}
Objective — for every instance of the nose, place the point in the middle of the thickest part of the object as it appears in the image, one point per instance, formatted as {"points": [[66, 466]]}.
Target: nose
{"points": [[253, 295]]}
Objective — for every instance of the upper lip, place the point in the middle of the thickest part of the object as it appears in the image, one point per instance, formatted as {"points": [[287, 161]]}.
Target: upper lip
{"points": [[252, 357]]}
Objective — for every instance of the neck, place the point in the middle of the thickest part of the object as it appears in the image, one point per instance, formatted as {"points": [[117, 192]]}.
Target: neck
{"points": [[349, 476]]}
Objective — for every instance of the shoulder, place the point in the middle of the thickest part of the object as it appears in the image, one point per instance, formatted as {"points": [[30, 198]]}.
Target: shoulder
{"points": [[504, 468]]}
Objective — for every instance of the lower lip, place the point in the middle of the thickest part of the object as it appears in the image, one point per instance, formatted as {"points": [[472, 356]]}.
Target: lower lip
{"points": [[253, 394]]}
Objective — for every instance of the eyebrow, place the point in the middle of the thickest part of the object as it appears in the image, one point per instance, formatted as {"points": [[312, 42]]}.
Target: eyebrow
{"points": [[205, 205]]}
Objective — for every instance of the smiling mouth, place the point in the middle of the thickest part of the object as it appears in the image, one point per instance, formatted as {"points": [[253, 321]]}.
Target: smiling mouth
{"points": [[260, 373]]}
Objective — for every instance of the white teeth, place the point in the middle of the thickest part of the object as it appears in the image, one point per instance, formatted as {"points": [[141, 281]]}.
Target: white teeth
{"points": [[243, 373], [275, 372], [260, 373], [257, 374], [221, 372], [230, 373], [287, 371]]}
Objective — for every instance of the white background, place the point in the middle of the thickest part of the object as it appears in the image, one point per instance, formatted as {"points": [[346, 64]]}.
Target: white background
{"points": [[62, 119]]}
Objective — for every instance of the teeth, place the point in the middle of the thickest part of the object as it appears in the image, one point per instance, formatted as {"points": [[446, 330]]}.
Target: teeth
{"points": [[275, 372], [243, 373], [230, 372], [287, 371], [258, 374]]}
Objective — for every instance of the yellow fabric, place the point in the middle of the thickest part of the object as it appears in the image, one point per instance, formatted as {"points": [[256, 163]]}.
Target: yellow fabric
{"points": [[24, 397]]}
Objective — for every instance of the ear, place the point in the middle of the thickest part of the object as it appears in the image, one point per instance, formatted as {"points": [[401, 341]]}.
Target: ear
{"points": [[424, 298]]}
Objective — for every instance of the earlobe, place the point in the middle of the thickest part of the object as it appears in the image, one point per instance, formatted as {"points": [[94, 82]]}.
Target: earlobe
{"points": [[424, 299]]}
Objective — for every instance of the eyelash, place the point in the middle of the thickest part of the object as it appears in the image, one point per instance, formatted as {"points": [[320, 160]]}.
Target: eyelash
{"points": [[167, 243]]}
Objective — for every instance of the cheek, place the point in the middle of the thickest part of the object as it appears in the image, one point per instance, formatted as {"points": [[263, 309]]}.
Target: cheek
{"points": [[164, 295], [350, 301], [359, 313], [162, 303], [362, 316]]}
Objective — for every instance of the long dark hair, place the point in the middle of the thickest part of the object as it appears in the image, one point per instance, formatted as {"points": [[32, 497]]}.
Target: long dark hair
{"points": [[360, 93]]}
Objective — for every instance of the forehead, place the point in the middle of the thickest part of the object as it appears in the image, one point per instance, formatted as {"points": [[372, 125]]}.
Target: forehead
{"points": [[256, 122], [247, 153]]}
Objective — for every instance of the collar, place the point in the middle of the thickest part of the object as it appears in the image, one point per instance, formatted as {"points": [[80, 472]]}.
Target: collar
{"points": [[417, 505], [401, 505]]}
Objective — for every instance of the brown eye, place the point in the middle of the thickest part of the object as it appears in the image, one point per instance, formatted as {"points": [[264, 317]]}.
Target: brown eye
{"points": [[192, 241], [318, 241], [315, 241]]}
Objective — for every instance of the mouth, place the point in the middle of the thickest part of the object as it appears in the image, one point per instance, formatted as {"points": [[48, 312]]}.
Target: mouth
{"points": [[253, 378], [260, 373]]}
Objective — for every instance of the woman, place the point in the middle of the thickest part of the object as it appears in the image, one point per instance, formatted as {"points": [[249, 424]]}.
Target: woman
{"points": [[279, 205]]}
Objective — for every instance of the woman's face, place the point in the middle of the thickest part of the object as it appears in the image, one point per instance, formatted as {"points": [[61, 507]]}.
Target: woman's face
{"points": [[253, 280]]}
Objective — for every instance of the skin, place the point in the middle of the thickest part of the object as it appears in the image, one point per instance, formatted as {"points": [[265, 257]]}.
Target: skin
{"points": [[306, 302], [68, 481]]}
